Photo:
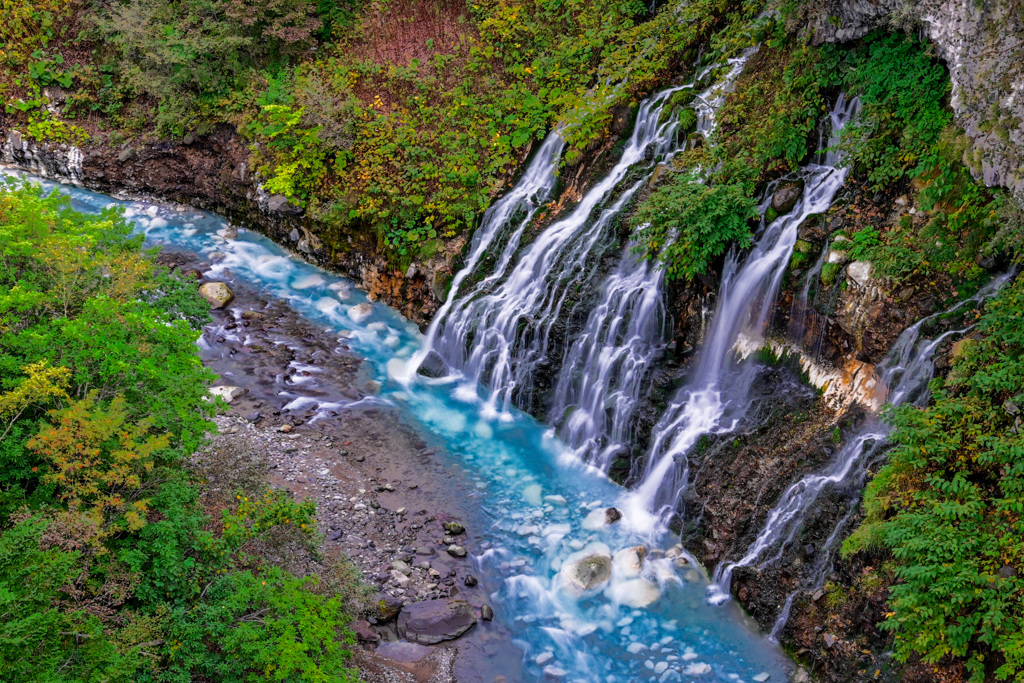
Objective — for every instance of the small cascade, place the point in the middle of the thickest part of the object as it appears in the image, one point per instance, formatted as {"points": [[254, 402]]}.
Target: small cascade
{"points": [[601, 381], [499, 332], [714, 397], [520, 203], [906, 372], [802, 316]]}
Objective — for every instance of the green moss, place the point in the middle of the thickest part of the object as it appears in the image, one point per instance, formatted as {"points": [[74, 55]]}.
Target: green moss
{"points": [[829, 272]]}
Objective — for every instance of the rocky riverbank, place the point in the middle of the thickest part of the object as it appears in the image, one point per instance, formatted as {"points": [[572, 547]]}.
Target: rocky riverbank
{"points": [[303, 417]]}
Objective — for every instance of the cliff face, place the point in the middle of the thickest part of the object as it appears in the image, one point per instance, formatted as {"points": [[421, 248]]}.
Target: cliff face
{"points": [[213, 172], [982, 43]]}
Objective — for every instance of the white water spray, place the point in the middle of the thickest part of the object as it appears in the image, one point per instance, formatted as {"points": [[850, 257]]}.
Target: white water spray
{"points": [[522, 202], [498, 333], [906, 372], [714, 396], [601, 382]]}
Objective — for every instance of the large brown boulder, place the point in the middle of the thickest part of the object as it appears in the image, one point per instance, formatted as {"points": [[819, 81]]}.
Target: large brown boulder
{"points": [[433, 621]]}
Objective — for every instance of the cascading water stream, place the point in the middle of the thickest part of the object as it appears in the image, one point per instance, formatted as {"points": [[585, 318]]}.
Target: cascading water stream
{"points": [[602, 378], [906, 372], [498, 332], [714, 396], [521, 202]]}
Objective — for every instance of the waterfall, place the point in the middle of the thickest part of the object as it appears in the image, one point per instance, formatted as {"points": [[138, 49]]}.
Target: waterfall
{"points": [[714, 395], [520, 203], [906, 372], [801, 309], [498, 333], [603, 376]]}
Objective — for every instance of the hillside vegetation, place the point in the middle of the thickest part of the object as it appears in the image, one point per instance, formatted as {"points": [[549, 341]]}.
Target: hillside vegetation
{"points": [[408, 118], [111, 568]]}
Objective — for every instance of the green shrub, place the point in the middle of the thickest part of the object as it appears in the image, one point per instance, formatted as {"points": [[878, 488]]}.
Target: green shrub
{"points": [[950, 506], [110, 569], [687, 223]]}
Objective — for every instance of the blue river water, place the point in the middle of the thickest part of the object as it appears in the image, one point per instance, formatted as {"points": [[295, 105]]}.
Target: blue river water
{"points": [[651, 623]]}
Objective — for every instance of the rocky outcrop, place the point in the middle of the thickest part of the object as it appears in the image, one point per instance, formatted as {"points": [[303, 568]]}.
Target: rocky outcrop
{"points": [[982, 43], [213, 172]]}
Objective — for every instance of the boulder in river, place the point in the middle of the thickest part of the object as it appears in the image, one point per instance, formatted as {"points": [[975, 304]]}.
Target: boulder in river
{"points": [[217, 293], [630, 561], [433, 621], [786, 196], [360, 312], [588, 569]]}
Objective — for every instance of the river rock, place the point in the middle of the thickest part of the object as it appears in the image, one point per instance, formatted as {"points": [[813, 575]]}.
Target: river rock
{"points": [[433, 621], [364, 631], [217, 293], [629, 561], [635, 593], [486, 612], [385, 608], [360, 312], [786, 196], [227, 392], [612, 515], [588, 569], [454, 528], [456, 551]]}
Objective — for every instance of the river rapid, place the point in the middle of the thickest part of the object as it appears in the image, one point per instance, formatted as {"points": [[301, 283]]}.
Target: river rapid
{"points": [[542, 504]]}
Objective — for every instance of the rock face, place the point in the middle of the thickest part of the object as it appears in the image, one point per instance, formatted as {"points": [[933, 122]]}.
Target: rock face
{"points": [[982, 43], [213, 172], [217, 293], [433, 621]]}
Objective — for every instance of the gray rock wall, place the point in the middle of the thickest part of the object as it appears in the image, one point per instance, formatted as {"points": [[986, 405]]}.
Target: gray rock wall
{"points": [[982, 43]]}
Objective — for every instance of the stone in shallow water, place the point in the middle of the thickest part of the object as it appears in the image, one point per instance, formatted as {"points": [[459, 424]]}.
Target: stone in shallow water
{"points": [[762, 677], [434, 621], [589, 570], [635, 593], [532, 494], [697, 669], [360, 312], [629, 561], [217, 293]]}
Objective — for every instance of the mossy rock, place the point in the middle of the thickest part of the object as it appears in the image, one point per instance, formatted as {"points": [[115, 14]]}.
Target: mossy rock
{"points": [[687, 120], [683, 98], [797, 261], [829, 273]]}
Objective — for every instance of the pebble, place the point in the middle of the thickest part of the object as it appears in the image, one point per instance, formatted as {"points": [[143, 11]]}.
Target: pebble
{"points": [[486, 612], [456, 551], [762, 677]]}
